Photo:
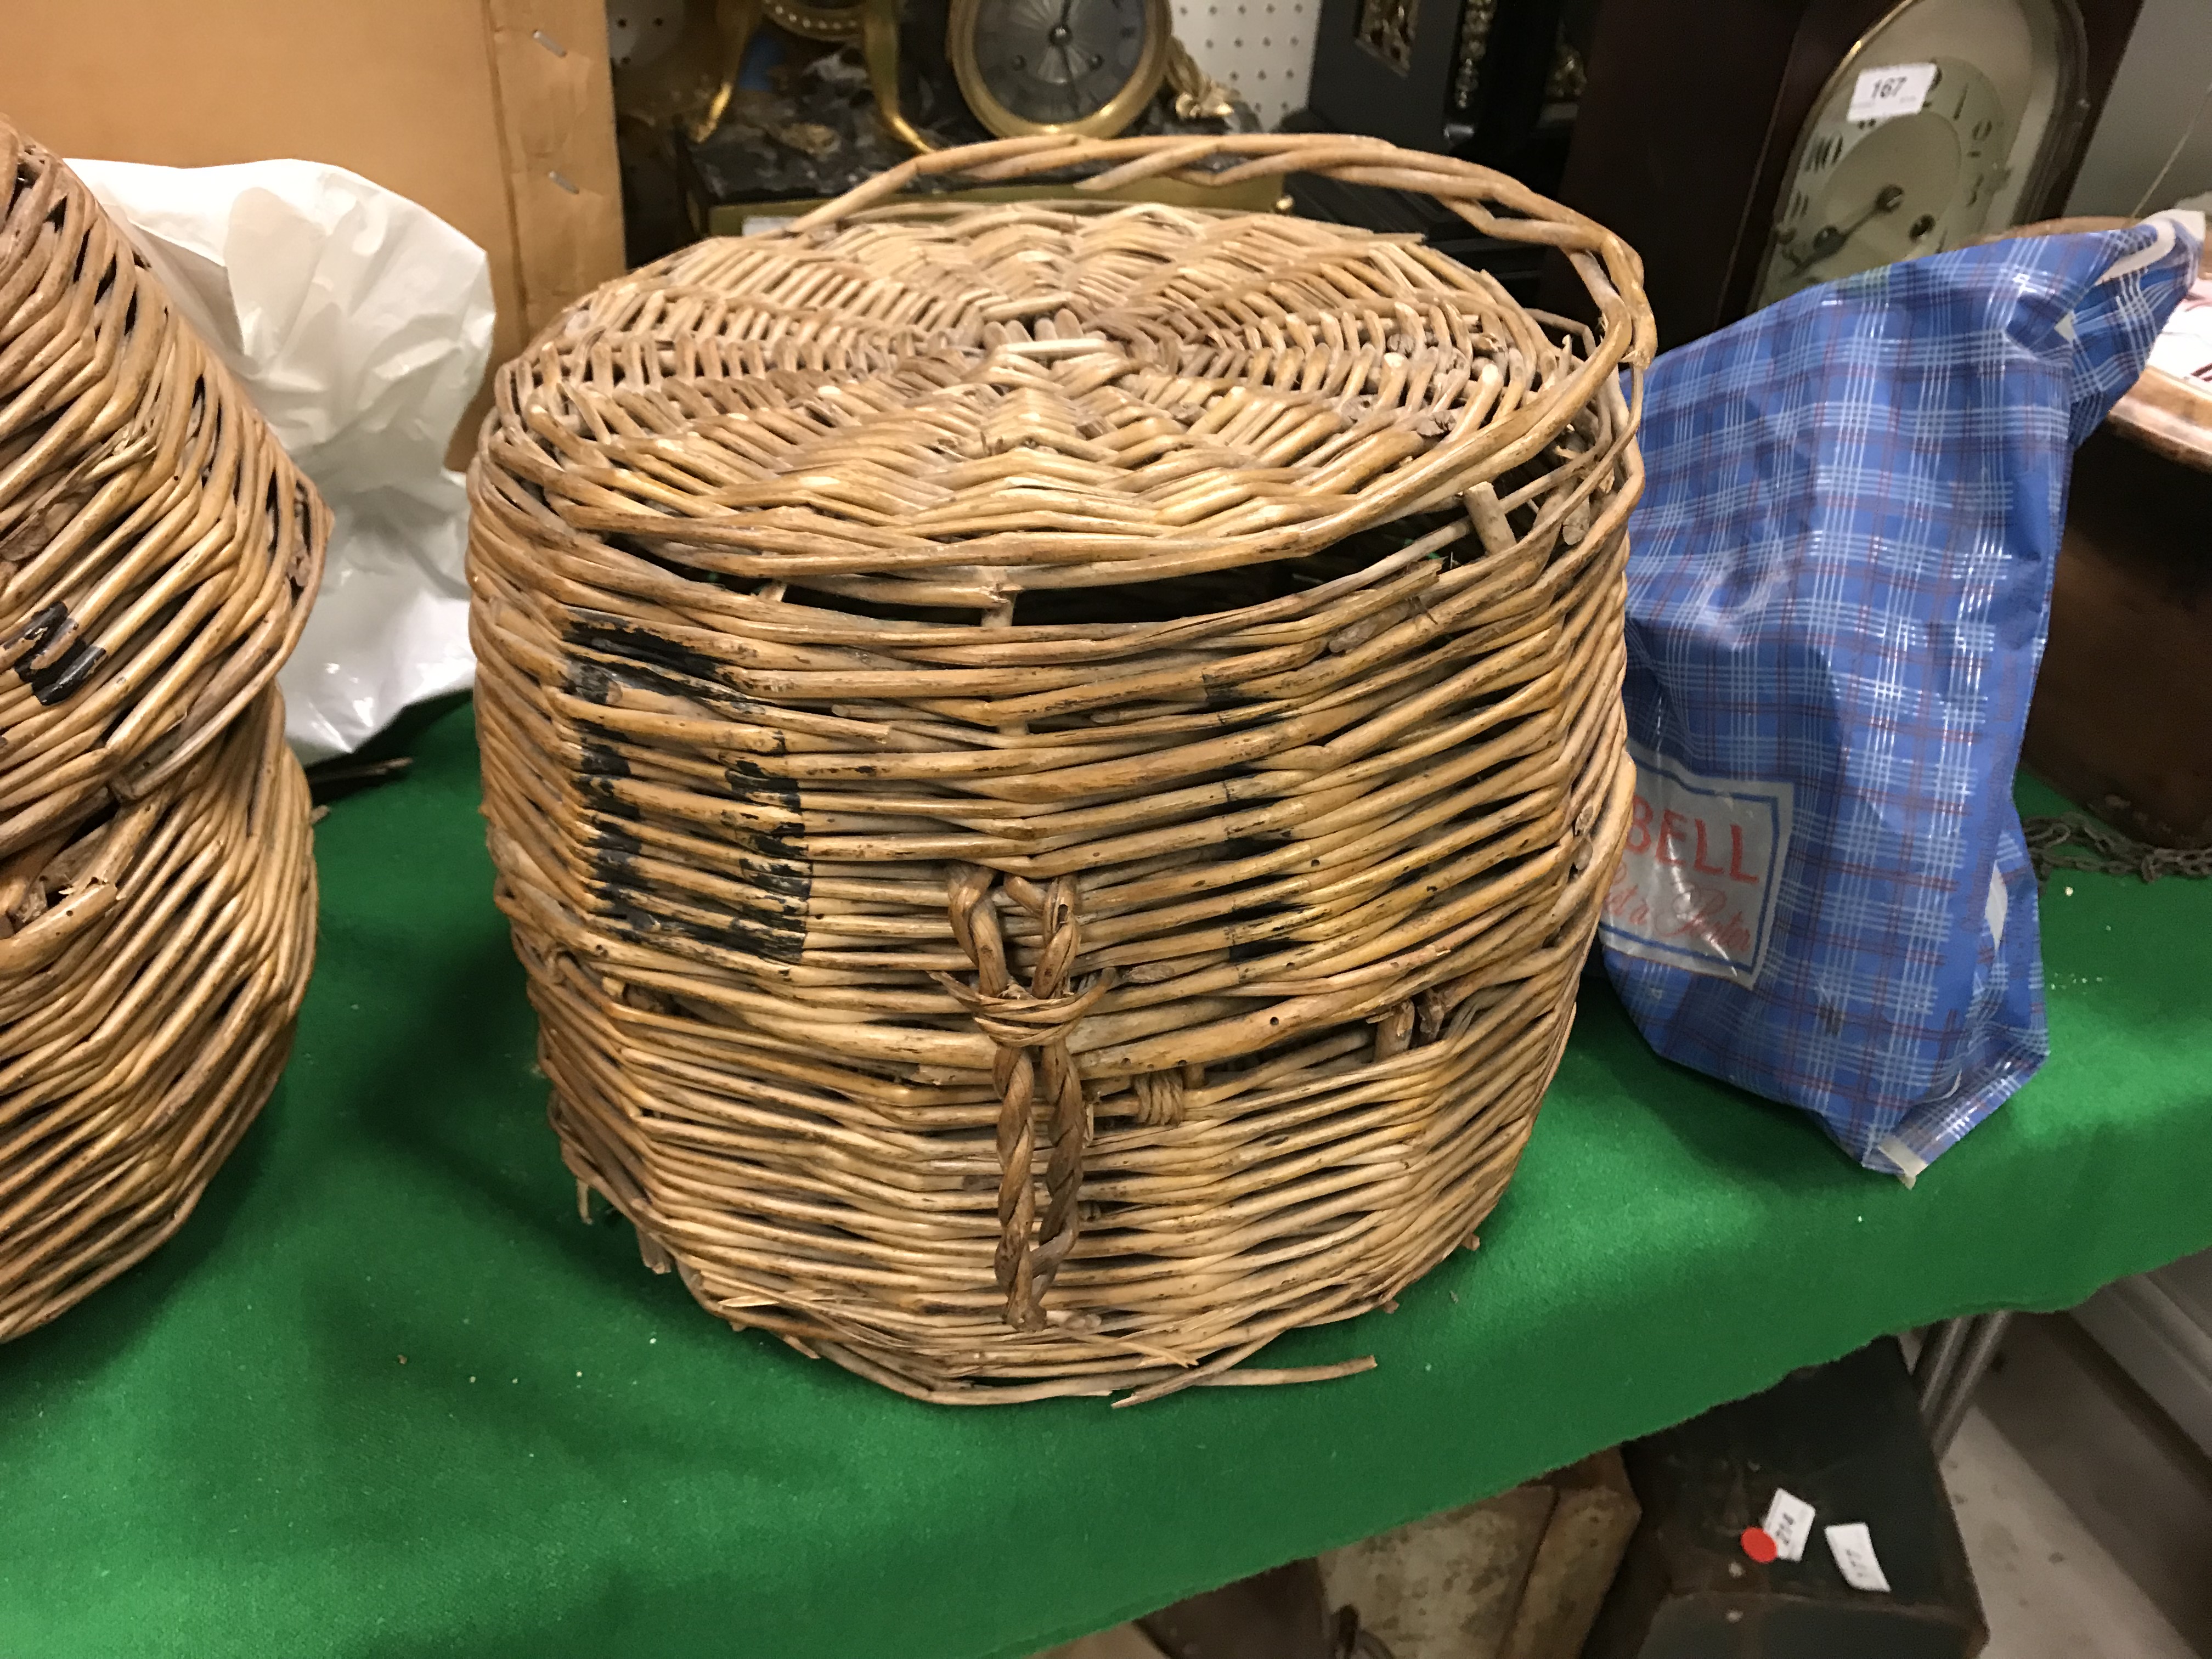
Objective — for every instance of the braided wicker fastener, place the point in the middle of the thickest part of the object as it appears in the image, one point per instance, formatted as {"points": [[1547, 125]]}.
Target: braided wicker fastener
{"points": [[1039, 1020]]}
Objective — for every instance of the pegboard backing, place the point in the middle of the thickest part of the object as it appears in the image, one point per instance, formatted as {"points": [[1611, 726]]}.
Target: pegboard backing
{"points": [[1264, 48]]}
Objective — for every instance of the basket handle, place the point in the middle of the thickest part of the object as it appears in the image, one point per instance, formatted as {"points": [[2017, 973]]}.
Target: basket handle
{"points": [[1608, 269]]}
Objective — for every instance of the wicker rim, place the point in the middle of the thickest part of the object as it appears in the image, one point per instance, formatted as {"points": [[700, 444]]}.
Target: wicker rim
{"points": [[1611, 271]]}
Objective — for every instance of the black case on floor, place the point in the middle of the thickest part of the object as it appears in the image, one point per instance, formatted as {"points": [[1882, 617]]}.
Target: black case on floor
{"points": [[1846, 1437]]}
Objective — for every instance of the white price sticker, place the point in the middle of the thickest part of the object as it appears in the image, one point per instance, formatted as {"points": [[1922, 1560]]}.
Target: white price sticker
{"points": [[1789, 1523], [1852, 1546], [1895, 89]]}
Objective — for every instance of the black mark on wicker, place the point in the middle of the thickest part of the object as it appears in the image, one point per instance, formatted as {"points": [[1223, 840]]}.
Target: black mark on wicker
{"points": [[610, 838], [749, 784], [68, 662], [643, 677], [781, 940], [794, 878], [588, 682], [780, 845], [759, 714], [1224, 696], [44, 626], [52, 685], [635, 643], [600, 791]]}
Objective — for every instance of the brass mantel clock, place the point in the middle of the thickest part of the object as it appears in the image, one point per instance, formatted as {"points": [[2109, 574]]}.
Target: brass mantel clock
{"points": [[1091, 67], [1081, 66], [736, 112]]}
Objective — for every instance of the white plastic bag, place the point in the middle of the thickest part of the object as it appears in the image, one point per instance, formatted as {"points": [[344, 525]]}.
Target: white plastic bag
{"points": [[359, 323]]}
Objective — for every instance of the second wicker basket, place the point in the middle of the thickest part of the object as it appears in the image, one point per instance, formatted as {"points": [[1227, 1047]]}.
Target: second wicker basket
{"points": [[158, 555]]}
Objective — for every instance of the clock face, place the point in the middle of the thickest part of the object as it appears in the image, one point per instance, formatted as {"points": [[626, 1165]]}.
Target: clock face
{"points": [[1047, 64], [1928, 135]]}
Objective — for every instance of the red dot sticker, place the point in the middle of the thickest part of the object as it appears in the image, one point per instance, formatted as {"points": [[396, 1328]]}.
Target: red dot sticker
{"points": [[1758, 1545]]}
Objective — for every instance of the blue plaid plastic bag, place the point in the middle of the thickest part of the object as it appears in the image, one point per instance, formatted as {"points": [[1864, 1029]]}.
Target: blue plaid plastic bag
{"points": [[1838, 587]]}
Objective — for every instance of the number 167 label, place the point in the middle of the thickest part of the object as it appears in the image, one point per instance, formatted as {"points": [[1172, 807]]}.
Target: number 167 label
{"points": [[1894, 89]]}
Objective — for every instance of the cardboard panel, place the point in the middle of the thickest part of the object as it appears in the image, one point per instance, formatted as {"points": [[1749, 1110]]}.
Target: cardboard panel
{"points": [[453, 103]]}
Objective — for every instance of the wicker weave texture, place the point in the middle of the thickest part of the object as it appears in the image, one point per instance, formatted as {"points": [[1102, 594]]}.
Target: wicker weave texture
{"points": [[158, 550], [1053, 767], [150, 967]]}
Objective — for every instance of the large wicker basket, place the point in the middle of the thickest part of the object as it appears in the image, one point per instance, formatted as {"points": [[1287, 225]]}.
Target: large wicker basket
{"points": [[1053, 767], [158, 554]]}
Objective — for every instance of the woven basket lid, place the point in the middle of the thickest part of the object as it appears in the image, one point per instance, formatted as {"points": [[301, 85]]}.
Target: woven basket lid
{"points": [[942, 406]]}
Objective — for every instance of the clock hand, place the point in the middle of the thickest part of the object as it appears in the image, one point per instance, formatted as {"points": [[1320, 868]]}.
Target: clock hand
{"points": [[1057, 37], [1830, 238], [1067, 86]]}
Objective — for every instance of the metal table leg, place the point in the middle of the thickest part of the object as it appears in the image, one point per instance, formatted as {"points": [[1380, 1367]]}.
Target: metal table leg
{"points": [[1952, 1366], [1940, 1346]]}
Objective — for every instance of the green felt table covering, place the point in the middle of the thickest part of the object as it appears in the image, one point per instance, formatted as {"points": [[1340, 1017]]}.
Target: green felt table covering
{"points": [[385, 1396]]}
